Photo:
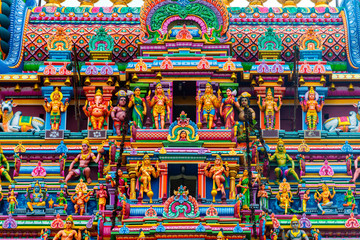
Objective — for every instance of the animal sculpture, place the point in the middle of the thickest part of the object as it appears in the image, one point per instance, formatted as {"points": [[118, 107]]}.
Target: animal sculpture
{"points": [[345, 123]]}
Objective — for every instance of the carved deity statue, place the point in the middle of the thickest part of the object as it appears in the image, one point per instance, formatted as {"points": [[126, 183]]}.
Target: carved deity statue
{"points": [[281, 157], [269, 106], [55, 108], [311, 106], [97, 111], [227, 108], [118, 113], [294, 233], [263, 197], [139, 108], [144, 174], [68, 233], [79, 199], [61, 201], [102, 195], [244, 182], [4, 166], [349, 199], [324, 197], [284, 197], [305, 199], [208, 103], [160, 105], [357, 170], [37, 197], [12, 202], [218, 173]]}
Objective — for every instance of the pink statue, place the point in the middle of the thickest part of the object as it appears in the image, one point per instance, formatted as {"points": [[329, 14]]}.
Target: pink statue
{"points": [[357, 170]]}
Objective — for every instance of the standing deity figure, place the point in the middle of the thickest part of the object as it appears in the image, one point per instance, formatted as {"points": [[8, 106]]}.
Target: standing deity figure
{"points": [[263, 197], [37, 197], [102, 195], [118, 113], [144, 174], [61, 201], [68, 233], [79, 199], [139, 110], [4, 166], [160, 105], [284, 196], [305, 199], [281, 157], [269, 106], [208, 102], [244, 101], [349, 200], [294, 233], [244, 182], [218, 173], [227, 108], [55, 108], [12, 202], [311, 106], [84, 158], [325, 197], [357, 170], [97, 111]]}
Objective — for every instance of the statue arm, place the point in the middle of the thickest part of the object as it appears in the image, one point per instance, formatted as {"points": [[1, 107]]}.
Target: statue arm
{"points": [[157, 172], [131, 101], [7, 166], [303, 235], [72, 198], [261, 107], [144, 106], [47, 106], [280, 104], [199, 103], [356, 162], [215, 101], [288, 158], [64, 107], [227, 170], [73, 163], [58, 235]]}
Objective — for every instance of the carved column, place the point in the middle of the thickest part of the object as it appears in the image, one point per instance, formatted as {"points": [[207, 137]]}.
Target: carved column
{"points": [[163, 179], [132, 175], [233, 172], [201, 180]]}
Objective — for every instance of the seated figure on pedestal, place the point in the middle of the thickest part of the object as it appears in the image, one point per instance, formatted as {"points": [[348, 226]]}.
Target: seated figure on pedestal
{"points": [[37, 197], [325, 197]]}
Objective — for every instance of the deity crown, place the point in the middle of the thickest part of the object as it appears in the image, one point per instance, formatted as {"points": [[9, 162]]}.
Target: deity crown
{"points": [[86, 142], [70, 218], [98, 93], [311, 90], [269, 91], [294, 219]]}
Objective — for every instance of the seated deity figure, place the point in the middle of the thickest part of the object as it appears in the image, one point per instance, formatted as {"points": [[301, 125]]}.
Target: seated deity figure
{"points": [[218, 173], [208, 103], [4, 166], [281, 157], [37, 197], [269, 106], [324, 197], [349, 199], [144, 174], [55, 107], [284, 197], [294, 233], [84, 158], [311, 106]]}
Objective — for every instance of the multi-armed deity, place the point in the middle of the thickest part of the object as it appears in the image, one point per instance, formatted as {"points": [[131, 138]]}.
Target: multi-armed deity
{"points": [[324, 197], [160, 105], [219, 174], [12, 202], [284, 196], [84, 158], [281, 157], [227, 108], [139, 108], [144, 174], [81, 197], [208, 103], [4, 166], [37, 197], [55, 108], [97, 111], [311, 106], [269, 106]]}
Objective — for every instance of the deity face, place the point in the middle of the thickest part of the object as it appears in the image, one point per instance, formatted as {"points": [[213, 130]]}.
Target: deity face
{"points": [[120, 173], [307, 192], [246, 173], [208, 89], [280, 147], [80, 194], [324, 188], [311, 96], [101, 187], [217, 161], [244, 102], [295, 225], [98, 99], [269, 95], [122, 101], [228, 92], [262, 187], [147, 161], [137, 92], [56, 96], [284, 190], [85, 147], [183, 135], [37, 188], [159, 89], [68, 224]]}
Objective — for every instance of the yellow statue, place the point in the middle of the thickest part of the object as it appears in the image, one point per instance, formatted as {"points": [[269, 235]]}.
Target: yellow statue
{"points": [[208, 102], [68, 233], [220, 236], [218, 173], [281, 157], [144, 174], [161, 105], [285, 198], [97, 110], [55, 107], [325, 197], [269, 106], [311, 107]]}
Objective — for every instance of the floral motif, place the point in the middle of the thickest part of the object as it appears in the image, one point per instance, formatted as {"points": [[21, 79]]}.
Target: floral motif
{"points": [[352, 222], [326, 170]]}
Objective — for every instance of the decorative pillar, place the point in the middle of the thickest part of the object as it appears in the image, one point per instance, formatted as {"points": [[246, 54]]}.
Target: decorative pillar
{"points": [[201, 180], [163, 179], [233, 172], [132, 175]]}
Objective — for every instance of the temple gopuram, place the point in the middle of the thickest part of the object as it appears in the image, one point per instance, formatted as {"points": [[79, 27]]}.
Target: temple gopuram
{"points": [[179, 119]]}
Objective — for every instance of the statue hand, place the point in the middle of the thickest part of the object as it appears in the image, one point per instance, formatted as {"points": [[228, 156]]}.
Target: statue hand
{"points": [[157, 164], [148, 98]]}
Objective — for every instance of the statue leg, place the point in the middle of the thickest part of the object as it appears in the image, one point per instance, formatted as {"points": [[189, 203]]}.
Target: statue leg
{"points": [[211, 121], [272, 121], [30, 206], [86, 173], [356, 175], [76, 207], [101, 123], [162, 121], [294, 174], [69, 176], [82, 210], [205, 116], [7, 176], [278, 173], [156, 120], [321, 209]]}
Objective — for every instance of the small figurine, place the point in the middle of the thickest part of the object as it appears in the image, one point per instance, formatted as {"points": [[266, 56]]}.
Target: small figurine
{"points": [[51, 203], [349, 200], [68, 233], [227, 108], [285, 198], [208, 102], [294, 233], [4, 166], [183, 136], [160, 105], [269, 106], [218, 173], [45, 234], [281, 157], [97, 110], [220, 235], [118, 113], [37, 197], [139, 110], [79, 200], [244, 188], [84, 159], [306, 198], [315, 233], [122, 181], [61, 201], [141, 236], [263, 197], [12, 202], [144, 174], [55, 107], [357, 170], [325, 197], [311, 107], [102, 195]]}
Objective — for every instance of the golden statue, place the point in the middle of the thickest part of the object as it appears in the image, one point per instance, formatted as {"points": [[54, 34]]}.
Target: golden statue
{"points": [[285, 198], [218, 173], [55, 107], [97, 110], [269, 106], [68, 233], [325, 197], [144, 174], [208, 102]]}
